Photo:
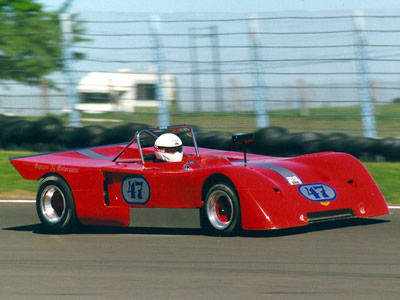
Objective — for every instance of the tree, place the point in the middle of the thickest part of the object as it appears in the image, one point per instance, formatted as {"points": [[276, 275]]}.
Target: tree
{"points": [[31, 41]]}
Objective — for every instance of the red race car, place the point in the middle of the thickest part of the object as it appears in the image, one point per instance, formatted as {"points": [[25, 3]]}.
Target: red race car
{"points": [[156, 181]]}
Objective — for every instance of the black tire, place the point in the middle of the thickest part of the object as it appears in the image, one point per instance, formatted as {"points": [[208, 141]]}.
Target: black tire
{"points": [[221, 210], [55, 205]]}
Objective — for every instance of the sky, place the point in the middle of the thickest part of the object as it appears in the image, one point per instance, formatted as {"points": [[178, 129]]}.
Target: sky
{"points": [[231, 6], [89, 9]]}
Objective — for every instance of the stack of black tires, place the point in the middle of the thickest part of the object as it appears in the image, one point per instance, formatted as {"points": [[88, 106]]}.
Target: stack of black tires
{"points": [[49, 134]]}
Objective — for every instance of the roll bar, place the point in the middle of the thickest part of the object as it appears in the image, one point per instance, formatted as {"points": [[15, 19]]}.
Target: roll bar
{"points": [[150, 132]]}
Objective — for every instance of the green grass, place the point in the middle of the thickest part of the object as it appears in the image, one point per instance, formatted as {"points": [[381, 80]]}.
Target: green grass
{"points": [[10, 180], [323, 120], [385, 174]]}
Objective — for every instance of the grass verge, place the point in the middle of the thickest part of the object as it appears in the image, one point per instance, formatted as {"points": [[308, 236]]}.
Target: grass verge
{"points": [[386, 175], [12, 185], [322, 120]]}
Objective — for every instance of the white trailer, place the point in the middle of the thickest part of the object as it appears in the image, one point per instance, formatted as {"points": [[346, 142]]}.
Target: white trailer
{"points": [[123, 90]]}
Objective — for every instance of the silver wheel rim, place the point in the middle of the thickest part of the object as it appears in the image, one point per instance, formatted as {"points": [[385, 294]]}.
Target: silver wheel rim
{"points": [[53, 204], [220, 209]]}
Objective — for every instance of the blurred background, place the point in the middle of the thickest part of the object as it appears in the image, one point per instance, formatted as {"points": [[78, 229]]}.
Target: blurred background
{"points": [[304, 76], [318, 71]]}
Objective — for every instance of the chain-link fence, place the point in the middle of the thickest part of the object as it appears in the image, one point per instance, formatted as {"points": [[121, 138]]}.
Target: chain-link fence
{"points": [[322, 72]]}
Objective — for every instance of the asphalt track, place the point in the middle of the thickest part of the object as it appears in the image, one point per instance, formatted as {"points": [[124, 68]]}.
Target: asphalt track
{"points": [[354, 259]]}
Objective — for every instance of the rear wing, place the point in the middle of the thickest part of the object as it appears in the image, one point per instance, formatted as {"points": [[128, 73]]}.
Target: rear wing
{"points": [[243, 138]]}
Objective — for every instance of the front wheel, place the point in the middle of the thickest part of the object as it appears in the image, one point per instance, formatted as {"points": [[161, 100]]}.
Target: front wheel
{"points": [[221, 210], [55, 205]]}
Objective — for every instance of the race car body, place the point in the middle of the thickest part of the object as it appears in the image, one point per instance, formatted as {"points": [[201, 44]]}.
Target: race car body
{"points": [[222, 191]]}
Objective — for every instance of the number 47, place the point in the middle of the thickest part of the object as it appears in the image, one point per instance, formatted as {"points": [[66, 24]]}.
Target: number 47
{"points": [[135, 189], [317, 192]]}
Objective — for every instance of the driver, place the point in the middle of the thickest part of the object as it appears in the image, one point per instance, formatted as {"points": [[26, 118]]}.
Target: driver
{"points": [[168, 147]]}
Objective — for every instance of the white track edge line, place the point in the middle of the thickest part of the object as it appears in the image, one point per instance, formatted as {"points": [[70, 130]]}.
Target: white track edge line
{"points": [[17, 201], [33, 201]]}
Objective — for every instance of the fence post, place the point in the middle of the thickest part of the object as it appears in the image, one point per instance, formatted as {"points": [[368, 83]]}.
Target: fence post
{"points": [[155, 29], [367, 107], [302, 98], [217, 70], [73, 99], [259, 92], [194, 69]]}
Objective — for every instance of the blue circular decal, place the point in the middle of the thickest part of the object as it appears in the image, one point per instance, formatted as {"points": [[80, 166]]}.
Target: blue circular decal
{"points": [[135, 189], [317, 192]]}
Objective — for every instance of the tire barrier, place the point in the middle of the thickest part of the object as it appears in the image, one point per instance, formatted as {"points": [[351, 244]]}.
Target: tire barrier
{"points": [[271, 141], [48, 134], [335, 142], [15, 133], [389, 148], [304, 143], [122, 133], [216, 140]]}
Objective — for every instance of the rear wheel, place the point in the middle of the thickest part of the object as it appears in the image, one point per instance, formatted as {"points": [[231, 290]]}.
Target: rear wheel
{"points": [[55, 205], [221, 210]]}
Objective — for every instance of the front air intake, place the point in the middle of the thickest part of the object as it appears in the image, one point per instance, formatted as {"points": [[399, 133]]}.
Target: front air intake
{"points": [[322, 216]]}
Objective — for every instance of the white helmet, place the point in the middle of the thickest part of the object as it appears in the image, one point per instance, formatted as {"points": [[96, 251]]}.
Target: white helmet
{"points": [[168, 147]]}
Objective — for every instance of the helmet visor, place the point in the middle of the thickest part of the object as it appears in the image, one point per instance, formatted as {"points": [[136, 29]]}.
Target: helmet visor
{"points": [[170, 149]]}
